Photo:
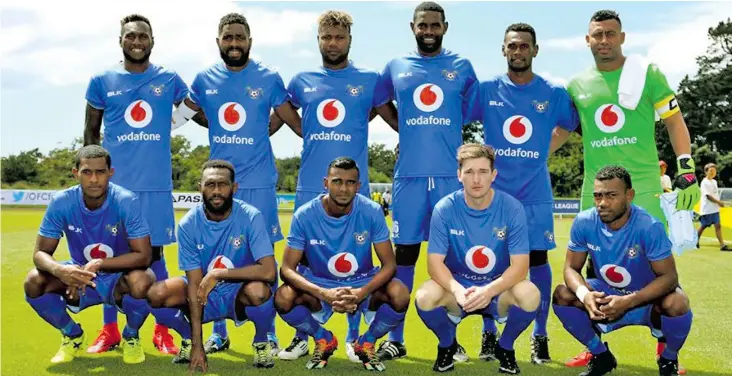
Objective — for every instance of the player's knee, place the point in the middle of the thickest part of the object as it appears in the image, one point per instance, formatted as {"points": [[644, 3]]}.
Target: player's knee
{"points": [[157, 294], [284, 299], [562, 296], [255, 293], [675, 304], [398, 295], [139, 283], [537, 258], [427, 298], [407, 255], [526, 295], [34, 284]]}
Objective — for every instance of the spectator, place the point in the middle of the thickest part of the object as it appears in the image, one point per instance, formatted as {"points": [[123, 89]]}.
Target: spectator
{"points": [[710, 204], [665, 179]]}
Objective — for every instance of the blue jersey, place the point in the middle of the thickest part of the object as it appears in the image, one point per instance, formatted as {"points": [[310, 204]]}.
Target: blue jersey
{"points": [[518, 121], [477, 244], [237, 241], [621, 258], [432, 99], [237, 106], [138, 108], [95, 234], [335, 120], [338, 249]]}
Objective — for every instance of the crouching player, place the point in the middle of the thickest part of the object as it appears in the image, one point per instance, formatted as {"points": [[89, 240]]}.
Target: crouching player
{"points": [[478, 261], [637, 282], [225, 251], [109, 245], [335, 232]]}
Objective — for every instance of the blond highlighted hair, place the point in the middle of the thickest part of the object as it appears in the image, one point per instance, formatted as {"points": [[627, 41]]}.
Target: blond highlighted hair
{"points": [[335, 18], [475, 151]]}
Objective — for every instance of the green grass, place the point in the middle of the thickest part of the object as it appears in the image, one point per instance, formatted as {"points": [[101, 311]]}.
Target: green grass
{"points": [[28, 342]]}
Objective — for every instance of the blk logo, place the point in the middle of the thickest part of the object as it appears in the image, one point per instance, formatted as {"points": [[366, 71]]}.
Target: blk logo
{"points": [[610, 118], [232, 116], [615, 276], [517, 129], [480, 259], [343, 265], [331, 113], [138, 114], [428, 97]]}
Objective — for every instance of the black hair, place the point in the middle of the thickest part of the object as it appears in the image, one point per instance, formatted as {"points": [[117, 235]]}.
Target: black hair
{"points": [[344, 163], [134, 17], [218, 163], [604, 15], [91, 152], [429, 6], [234, 18], [522, 27], [612, 172]]}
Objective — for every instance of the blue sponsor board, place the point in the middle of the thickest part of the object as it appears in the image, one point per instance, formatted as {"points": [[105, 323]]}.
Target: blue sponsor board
{"points": [[566, 206]]}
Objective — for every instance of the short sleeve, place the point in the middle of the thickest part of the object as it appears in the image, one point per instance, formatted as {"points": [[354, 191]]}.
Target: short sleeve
{"points": [[567, 119], [474, 102], [471, 79], [135, 223], [439, 241], [657, 244], [189, 258], [259, 242], [196, 90], [181, 89], [293, 89], [662, 96], [94, 93], [518, 233], [379, 230], [577, 240], [279, 93], [381, 92], [296, 237], [52, 225], [385, 81]]}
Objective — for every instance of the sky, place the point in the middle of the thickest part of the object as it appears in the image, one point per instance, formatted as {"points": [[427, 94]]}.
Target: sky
{"points": [[50, 51]]}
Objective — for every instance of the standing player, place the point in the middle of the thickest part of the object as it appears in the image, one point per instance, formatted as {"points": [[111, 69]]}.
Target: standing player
{"points": [[475, 270], [236, 96], [638, 283], [227, 256], [135, 101], [611, 132], [335, 231], [430, 87], [519, 111], [109, 243], [336, 102]]}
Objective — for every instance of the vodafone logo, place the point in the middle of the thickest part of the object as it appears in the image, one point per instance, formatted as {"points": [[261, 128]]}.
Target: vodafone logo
{"points": [[480, 259], [331, 113], [138, 114], [615, 276], [98, 251], [610, 118], [517, 129], [428, 97], [232, 116], [343, 265], [220, 262]]}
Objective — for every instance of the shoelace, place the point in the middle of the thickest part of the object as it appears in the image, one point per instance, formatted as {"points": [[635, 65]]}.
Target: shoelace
{"points": [[295, 342]]}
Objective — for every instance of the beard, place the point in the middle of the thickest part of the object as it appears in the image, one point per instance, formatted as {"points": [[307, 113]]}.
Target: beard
{"points": [[338, 204], [615, 217], [141, 60], [336, 61], [516, 69], [436, 46], [239, 62], [225, 206]]}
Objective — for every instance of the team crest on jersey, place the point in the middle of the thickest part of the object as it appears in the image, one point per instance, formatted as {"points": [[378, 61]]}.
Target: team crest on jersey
{"points": [[540, 107], [157, 90], [450, 76], [112, 229], [236, 242], [361, 237], [500, 232], [549, 236], [354, 91], [633, 251], [255, 93]]}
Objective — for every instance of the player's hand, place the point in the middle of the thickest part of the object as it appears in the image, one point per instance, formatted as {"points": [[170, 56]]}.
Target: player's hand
{"points": [[591, 303], [208, 282], [335, 294], [358, 295], [91, 266], [686, 184], [477, 298], [342, 306], [75, 276], [198, 359], [614, 306], [461, 296]]}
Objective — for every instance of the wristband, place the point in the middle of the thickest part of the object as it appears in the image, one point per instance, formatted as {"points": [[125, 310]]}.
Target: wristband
{"points": [[581, 292]]}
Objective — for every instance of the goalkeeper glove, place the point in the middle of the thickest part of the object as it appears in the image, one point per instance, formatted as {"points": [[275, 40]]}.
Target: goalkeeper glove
{"points": [[686, 184]]}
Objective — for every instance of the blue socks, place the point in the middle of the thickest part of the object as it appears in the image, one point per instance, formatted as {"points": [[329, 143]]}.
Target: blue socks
{"points": [[518, 321], [136, 311], [301, 319], [386, 319], [175, 319], [406, 275], [675, 329], [489, 325], [109, 314], [578, 324], [438, 321], [219, 327], [52, 308], [354, 325], [261, 316], [541, 276]]}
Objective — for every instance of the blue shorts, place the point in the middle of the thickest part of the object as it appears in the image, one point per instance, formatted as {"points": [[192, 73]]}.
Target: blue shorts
{"points": [[157, 209], [412, 204], [709, 219], [264, 199], [103, 293], [540, 223], [222, 303], [640, 315]]}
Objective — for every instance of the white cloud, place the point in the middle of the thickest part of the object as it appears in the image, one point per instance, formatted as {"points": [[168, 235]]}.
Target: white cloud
{"points": [[554, 79], [381, 133], [71, 46]]}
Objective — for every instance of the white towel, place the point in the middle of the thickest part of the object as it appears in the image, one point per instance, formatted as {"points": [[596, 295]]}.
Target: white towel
{"points": [[632, 81], [680, 225]]}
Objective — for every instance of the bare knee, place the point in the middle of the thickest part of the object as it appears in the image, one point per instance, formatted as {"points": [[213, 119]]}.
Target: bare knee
{"points": [[284, 299], [398, 295], [428, 297], [675, 304], [34, 284], [563, 296], [139, 283], [526, 295], [255, 293], [157, 295]]}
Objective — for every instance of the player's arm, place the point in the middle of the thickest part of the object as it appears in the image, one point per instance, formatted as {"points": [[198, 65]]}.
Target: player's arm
{"points": [[678, 133], [439, 272], [287, 113], [264, 270], [515, 273], [573, 263], [139, 257], [388, 112], [92, 125], [559, 137], [666, 281], [289, 274], [185, 110], [385, 253], [195, 276]]}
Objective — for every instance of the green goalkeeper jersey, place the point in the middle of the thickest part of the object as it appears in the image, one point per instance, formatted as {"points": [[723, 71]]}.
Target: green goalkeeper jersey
{"points": [[612, 134]]}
